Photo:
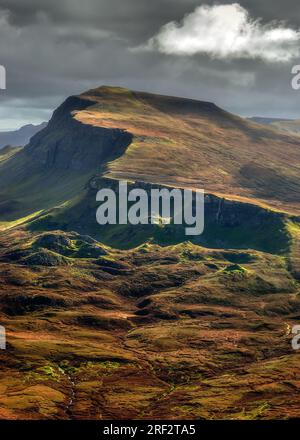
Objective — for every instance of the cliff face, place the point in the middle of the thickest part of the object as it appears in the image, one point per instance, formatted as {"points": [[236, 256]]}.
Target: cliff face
{"points": [[189, 143], [70, 145], [228, 224], [116, 133]]}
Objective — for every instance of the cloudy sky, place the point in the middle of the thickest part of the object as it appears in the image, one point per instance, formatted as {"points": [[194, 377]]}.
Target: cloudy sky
{"points": [[238, 55]]}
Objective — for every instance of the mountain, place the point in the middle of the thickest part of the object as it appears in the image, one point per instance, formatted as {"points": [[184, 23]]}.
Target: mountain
{"points": [[21, 136], [123, 321], [155, 139], [268, 121], [291, 126]]}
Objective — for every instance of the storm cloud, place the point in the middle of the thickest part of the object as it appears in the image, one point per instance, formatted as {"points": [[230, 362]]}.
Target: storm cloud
{"points": [[52, 49]]}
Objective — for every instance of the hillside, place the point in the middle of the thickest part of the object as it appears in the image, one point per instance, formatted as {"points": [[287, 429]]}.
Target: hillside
{"points": [[196, 144], [176, 332], [155, 139], [143, 322]]}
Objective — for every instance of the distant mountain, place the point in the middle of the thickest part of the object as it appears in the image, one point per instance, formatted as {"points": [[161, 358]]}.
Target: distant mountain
{"points": [[267, 121], [20, 137], [290, 125]]}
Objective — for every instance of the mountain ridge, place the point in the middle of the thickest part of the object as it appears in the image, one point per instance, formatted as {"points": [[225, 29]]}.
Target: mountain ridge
{"points": [[21, 136], [291, 126], [158, 139]]}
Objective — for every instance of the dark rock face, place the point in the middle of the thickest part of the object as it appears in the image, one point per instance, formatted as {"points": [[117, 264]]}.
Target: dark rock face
{"points": [[44, 258], [229, 213], [22, 303], [71, 245], [54, 242], [16, 255], [228, 224], [56, 249], [90, 251], [70, 145]]}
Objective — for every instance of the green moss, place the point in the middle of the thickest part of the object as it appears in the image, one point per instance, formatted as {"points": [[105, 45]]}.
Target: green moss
{"points": [[254, 413], [110, 365], [43, 373], [48, 370], [235, 268]]}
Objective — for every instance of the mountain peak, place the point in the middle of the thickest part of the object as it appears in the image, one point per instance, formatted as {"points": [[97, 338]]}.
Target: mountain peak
{"points": [[139, 136], [104, 89]]}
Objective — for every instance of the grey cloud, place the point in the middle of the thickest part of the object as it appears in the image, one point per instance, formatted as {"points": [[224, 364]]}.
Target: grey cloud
{"points": [[52, 49]]}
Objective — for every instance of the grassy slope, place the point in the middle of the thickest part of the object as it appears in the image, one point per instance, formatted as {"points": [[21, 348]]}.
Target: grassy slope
{"points": [[162, 332], [175, 141], [227, 224], [196, 144], [27, 188]]}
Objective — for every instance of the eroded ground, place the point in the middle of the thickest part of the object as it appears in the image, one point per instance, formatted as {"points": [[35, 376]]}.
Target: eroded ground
{"points": [[174, 332]]}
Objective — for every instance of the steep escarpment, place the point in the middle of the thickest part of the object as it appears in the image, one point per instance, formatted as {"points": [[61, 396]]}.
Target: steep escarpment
{"points": [[228, 224], [190, 143], [155, 140], [57, 162], [70, 145]]}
